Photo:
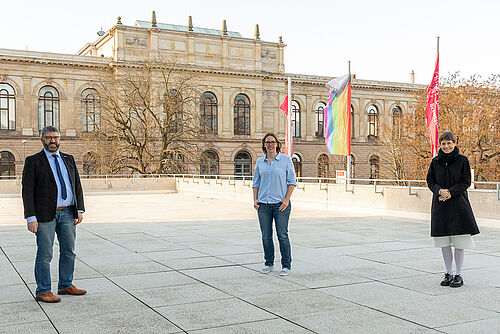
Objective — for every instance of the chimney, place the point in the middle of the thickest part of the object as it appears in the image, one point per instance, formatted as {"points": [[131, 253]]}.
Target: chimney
{"points": [[412, 77], [224, 28], [153, 19], [190, 23], [257, 33]]}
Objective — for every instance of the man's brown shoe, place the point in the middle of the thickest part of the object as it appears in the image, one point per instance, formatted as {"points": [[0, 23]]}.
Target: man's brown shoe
{"points": [[48, 297], [72, 290]]}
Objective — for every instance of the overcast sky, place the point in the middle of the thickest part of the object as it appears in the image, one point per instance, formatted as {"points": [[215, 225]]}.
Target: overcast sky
{"points": [[384, 39]]}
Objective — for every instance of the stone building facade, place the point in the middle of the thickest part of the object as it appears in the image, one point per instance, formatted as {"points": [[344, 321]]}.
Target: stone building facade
{"points": [[245, 78]]}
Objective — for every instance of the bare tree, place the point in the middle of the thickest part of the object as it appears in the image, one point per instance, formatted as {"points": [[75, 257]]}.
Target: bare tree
{"points": [[148, 119]]}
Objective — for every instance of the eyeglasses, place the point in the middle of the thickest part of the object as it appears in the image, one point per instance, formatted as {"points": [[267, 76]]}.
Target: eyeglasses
{"points": [[49, 138], [270, 142]]}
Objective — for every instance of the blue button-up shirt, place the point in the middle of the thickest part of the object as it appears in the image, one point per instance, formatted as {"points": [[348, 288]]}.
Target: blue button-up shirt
{"points": [[272, 179], [69, 191]]}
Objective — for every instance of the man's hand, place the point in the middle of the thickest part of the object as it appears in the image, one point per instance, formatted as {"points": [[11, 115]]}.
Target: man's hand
{"points": [[256, 204], [79, 219], [33, 226], [284, 204]]}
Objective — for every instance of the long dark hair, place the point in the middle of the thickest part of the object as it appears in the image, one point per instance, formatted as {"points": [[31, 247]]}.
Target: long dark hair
{"points": [[278, 143]]}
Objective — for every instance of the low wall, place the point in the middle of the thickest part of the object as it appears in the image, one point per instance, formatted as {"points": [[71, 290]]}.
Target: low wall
{"points": [[109, 184], [334, 196]]}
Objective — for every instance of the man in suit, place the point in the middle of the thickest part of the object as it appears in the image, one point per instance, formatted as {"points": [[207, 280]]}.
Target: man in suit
{"points": [[53, 204]]}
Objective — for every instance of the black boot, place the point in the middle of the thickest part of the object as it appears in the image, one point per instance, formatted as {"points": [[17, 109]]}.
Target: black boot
{"points": [[457, 281], [447, 280]]}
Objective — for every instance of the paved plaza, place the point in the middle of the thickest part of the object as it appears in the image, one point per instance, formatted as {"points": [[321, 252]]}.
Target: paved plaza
{"points": [[172, 263]]}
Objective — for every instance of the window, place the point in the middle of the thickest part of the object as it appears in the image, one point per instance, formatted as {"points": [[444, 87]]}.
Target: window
{"points": [[7, 107], [7, 164], [48, 107], [320, 121], [243, 164], [372, 122], [374, 167], [295, 119], [208, 112], [172, 109], [209, 163], [352, 121], [323, 166], [90, 110], [89, 163], [297, 165], [174, 163], [241, 115], [397, 113]]}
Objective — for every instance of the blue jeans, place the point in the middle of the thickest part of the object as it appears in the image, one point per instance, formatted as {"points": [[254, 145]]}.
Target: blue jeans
{"points": [[64, 225], [268, 212]]}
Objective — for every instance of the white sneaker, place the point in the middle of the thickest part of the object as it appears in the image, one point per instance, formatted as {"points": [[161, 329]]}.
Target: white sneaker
{"points": [[266, 269], [285, 271]]}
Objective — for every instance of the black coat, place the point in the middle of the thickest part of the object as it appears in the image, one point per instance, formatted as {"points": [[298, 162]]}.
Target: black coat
{"points": [[454, 216], [40, 188]]}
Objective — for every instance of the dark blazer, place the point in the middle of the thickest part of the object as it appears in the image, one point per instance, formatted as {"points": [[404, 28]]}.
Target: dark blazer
{"points": [[453, 216], [40, 188]]}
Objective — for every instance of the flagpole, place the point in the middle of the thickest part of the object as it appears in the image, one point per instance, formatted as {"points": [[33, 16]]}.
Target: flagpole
{"points": [[348, 181], [437, 55], [289, 117]]}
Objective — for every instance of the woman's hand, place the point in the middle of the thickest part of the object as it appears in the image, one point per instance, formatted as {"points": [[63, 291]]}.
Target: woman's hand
{"points": [[256, 204], [444, 194], [284, 204]]}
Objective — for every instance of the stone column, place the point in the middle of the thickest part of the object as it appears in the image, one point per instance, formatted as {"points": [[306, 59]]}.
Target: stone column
{"points": [[227, 114], [280, 117], [67, 110], [26, 110], [309, 113], [258, 114]]}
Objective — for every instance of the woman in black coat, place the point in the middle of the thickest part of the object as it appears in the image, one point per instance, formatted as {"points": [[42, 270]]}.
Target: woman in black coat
{"points": [[452, 220]]}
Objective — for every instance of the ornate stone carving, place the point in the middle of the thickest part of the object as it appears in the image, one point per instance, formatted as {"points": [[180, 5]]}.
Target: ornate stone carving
{"points": [[3, 77], [136, 41], [269, 98], [268, 55]]}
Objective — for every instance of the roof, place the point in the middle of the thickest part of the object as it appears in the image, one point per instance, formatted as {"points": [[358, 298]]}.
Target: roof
{"points": [[175, 27]]}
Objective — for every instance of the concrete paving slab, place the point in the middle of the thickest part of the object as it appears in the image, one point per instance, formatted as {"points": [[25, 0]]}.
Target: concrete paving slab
{"points": [[221, 273], [179, 294], [20, 313], [14, 293], [196, 263], [491, 325], [256, 285], [151, 280], [258, 327], [216, 313], [39, 327], [120, 269]]}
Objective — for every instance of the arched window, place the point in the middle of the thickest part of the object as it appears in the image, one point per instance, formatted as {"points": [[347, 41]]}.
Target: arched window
{"points": [[208, 112], [48, 107], [323, 166], [243, 164], [7, 107], [320, 121], [7, 164], [209, 163], [374, 167], [241, 115], [91, 117], [372, 122], [397, 113], [172, 109], [352, 121], [174, 163], [90, 163], [295, 118], [297, 164]]}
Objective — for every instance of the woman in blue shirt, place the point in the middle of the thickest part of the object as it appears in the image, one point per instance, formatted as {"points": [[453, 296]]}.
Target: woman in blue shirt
{"points": [[273, 184]]}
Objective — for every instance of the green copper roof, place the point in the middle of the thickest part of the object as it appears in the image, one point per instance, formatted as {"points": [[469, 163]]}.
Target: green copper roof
{"points": [[175, 27]]}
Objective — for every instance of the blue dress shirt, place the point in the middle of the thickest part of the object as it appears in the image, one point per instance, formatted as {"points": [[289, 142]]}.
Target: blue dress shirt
{"points": [[272, 179], [60, 201]]}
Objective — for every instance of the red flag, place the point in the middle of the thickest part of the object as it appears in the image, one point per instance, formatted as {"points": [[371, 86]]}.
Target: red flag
{"points": [[431, 110], [284, 105], [288, 136]]}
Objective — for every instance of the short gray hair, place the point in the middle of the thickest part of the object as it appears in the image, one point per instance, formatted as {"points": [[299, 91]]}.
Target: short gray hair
{"points": [[49, 128]]}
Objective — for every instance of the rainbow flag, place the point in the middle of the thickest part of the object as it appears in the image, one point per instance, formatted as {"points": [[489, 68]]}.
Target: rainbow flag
{"points": [[337, 116]]}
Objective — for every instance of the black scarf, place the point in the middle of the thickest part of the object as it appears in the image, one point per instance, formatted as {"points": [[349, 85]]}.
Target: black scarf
{"points": [[448, 157]]}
